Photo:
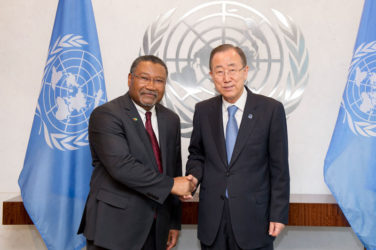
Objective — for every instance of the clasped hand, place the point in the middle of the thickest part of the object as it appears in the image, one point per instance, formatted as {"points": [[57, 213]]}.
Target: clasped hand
{"points": [[184, 186]]}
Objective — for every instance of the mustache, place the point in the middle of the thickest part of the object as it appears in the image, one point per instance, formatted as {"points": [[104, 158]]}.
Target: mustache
{"points": [[149, 92]]}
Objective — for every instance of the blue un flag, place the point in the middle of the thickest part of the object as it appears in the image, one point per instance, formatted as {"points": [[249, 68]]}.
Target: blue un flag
{"points": [[350, 164], [55, 178]]}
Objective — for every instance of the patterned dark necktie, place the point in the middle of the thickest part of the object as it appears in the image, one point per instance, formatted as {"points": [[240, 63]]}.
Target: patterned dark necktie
{"points": [[153, 140]]}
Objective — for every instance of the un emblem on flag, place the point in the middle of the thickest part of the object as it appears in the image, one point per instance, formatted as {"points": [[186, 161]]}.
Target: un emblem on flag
{"points": [[71, 89], [359, 99], [273, 44]]}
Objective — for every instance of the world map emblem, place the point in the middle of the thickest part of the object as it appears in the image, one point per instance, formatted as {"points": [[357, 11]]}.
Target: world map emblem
{"points": [[274, 46], [72, 87], [359, 99]]}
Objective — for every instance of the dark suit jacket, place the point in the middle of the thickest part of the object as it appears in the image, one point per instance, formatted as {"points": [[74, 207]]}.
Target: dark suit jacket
{"points": [[126, 188], [257, 177]]}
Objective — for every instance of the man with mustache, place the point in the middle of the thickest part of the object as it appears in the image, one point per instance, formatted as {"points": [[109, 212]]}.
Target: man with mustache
{"points": [[135, 146]]}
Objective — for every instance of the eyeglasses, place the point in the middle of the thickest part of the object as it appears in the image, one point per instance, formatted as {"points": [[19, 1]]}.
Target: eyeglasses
{"points": [[147, 79], [220, 73]]}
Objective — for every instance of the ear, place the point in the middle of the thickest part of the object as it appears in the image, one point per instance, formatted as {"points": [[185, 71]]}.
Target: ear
{"points": [[211, 75], [129, 80], [246, 68]]}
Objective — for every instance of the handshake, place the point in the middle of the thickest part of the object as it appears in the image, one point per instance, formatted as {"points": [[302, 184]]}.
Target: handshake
{"points": [[184, 186]]}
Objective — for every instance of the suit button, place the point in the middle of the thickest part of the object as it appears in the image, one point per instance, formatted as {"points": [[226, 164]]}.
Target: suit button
{"points": [[227, 173]]}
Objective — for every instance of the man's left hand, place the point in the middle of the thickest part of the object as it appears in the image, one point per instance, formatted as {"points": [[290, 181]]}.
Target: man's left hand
{"points": [[173, 236], [275, 228]]}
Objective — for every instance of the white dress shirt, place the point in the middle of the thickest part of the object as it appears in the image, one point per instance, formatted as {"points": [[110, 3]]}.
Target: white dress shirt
{"points": [[154, 121]]}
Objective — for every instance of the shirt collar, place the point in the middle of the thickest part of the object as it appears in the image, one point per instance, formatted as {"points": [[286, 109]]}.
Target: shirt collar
{"points": [[142, 111], [240, 103]]}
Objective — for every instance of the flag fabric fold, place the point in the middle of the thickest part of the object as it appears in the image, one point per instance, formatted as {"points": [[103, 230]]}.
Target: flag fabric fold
{"points": [[55, 178], [350, 163]]}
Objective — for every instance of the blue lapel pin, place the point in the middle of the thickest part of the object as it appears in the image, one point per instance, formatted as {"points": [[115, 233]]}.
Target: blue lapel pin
{"points": [[250, 116]]}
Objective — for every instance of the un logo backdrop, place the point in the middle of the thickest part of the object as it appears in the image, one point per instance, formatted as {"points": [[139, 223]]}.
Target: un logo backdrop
{"points": [[275, 50]]}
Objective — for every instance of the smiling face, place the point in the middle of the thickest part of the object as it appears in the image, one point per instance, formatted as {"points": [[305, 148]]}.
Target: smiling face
{"points": [[147, 84], [228, 74]]}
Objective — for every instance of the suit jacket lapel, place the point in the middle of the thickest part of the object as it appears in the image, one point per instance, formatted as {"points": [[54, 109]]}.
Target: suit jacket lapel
{"points": [[247, 125], [134, 116], [216, 122], [162, 130]]}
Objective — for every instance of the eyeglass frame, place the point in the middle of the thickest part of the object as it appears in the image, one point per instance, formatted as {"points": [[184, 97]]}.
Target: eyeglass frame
{"points": [[229, 72], [147, 79]]}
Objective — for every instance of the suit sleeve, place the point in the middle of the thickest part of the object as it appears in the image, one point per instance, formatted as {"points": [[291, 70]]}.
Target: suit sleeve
{"points": [[108, 141], [279, 167], [175, 222], [196, 158]]}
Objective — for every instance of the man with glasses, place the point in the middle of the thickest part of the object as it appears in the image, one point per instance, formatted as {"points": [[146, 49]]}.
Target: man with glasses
{"points": [[135, 146], [238, 153]]}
